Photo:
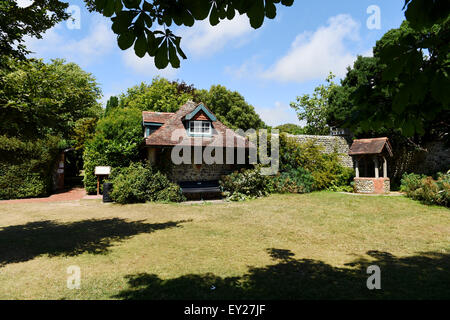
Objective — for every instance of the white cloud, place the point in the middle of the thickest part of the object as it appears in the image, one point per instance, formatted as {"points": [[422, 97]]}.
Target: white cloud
{"points": [[24, 3], [99, 41], [146, 65], [314, 54], [278, 114], [203, 39]]}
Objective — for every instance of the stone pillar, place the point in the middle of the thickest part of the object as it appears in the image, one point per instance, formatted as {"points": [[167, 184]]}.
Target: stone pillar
{"points": [[356, 168], [151, 155], [375, 162], [384, 167]]}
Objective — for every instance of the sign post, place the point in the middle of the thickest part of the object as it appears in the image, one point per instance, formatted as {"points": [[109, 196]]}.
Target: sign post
{"points": [[101, 171]]}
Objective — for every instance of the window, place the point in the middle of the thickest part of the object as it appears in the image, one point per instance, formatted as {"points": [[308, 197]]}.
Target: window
{"points": [[200, 127]]}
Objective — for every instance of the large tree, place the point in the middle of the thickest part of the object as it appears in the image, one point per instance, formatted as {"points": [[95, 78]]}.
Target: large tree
{"points": [[405, 85], [17, 23], [230, 108], [314, 108], [37, 99]]}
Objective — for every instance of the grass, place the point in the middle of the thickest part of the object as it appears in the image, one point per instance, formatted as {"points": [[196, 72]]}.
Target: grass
{"points": [[316, 245]]}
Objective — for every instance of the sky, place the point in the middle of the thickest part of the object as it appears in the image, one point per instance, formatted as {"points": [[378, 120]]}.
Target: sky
{"points": [[287, 57]]}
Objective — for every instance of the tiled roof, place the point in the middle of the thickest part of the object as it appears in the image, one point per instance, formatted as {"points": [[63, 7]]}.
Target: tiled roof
{"points": [[174, 123], [370, 146], [158, 117]]}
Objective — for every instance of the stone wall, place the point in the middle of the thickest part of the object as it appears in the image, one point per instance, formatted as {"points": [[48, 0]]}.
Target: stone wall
{"points": [[330, 143], [372, 185], [202, 172]]}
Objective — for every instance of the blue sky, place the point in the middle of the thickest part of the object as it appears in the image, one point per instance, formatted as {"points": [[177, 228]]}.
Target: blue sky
{"points": [[286, 57]]}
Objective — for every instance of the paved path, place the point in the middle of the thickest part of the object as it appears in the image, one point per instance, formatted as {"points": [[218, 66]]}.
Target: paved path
{"points": [[65, 195]]}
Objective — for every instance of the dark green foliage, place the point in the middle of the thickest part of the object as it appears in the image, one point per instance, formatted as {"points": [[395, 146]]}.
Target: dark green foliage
{"points": [[17, 23], [325, 169], [293, 181], [402, 88], [140, 183], [112, 103], [230, 108], [245, 184], [26, 167], [135, 22], [37, 99], [117, 141], [426, 189]]}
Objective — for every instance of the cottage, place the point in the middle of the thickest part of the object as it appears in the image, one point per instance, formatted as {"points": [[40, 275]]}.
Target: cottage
{"points": [[194, 146]]}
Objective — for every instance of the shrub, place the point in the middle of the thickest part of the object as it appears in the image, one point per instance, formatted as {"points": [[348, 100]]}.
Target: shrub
{"points": [[26, 167], [116, 143], [426, 189], [139, 183], [326, 169], [293, 181], [245, 184]]}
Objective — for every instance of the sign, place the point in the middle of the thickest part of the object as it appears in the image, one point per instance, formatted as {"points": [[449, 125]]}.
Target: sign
{"points": [[102, 171]]}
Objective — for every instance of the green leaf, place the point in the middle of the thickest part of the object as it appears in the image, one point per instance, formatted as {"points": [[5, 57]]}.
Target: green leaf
{"points": [[230, 12], [214, 17], [287, 3], [174, 61], [161, 59], [126, 40], [109, 8], [256, 14], [151, 44], [100, 4], [140, 46], [271, 10]]}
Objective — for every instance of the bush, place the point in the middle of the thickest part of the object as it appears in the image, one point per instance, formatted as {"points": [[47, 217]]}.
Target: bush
{"points": [[26, 167], [116, 143], [326, 169], [293, 181], [245, 184], [426, 189], [139, 183]]}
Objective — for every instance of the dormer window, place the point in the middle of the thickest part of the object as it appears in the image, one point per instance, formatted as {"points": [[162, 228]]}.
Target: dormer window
{"points": [[199, 128]]}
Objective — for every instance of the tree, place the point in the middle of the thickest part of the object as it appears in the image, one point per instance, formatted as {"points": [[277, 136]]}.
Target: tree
{"points": [[134, 21], [290, 128], [314, 109], [116, 142], [34, 20], [37, 99], [112, 103], [161, 95], [406, 87], [230, 108]]}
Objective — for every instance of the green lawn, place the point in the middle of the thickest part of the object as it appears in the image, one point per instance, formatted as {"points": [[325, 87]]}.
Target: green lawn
{"points": [[309, 246]]}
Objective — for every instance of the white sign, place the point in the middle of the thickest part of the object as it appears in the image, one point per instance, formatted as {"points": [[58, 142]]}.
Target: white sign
{"points": [[102, 171]]}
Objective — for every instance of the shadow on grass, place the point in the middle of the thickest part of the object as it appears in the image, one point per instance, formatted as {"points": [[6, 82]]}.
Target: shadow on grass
{"points": [[24, 242], [424, 276]]}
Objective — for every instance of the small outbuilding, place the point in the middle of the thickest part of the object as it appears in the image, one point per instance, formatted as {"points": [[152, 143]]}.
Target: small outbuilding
{"points": [[370, 158]]}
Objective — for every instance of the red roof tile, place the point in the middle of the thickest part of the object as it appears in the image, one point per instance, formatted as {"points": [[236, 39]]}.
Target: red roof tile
{"points": [[370, 146], [158, 117]]}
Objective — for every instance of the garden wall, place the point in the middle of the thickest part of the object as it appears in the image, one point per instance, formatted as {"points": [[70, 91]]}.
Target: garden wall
{"points": [[330, 143]]}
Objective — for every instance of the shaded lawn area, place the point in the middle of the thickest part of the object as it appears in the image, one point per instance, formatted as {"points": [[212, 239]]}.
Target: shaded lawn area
{"points": [[309, 246]]}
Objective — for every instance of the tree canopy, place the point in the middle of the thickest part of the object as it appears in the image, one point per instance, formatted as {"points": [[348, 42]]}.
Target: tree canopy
{"points": [[34, 20], [230, 108], [404, 86], [37, 99], [314, 108]]}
